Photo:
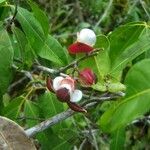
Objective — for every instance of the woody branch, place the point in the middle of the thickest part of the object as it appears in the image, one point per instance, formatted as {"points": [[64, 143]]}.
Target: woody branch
{"points": [[66, 114]]}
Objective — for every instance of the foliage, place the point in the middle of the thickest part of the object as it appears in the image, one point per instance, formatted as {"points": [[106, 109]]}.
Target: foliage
{"points": [[29, 39]]}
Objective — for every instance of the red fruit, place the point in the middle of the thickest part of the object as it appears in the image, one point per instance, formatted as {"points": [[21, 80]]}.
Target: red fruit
{"points": [[49, 84], [87, 77], [76, 107], [79, 48], [63, 95]]}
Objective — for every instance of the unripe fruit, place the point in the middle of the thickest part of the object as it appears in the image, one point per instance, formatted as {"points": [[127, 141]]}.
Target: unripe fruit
{"points": [[87, 77]]}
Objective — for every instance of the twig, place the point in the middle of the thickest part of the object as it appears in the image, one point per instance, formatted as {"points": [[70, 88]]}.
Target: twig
{"points": [[104, 14], [50, 71], [26, 73], [46, 69], [82, 144], [11, 20], [91, 133], [16, 83], [65, 20], [16, 10], [47, 123], [147, 13], [94, 131], [91, 54], [53, 71], [79, 10]]}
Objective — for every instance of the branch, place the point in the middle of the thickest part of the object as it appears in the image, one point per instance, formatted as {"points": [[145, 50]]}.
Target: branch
{"points": [[72, 64], [50, 71], [26, 73], [63, 69], [48, 123], [12, 19], [59, 117]]}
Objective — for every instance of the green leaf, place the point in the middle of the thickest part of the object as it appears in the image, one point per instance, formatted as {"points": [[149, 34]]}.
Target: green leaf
{"points": [[51, 141], [126, 43], [40, 16], [12, 110], [31, 111], [117, 139], [102, 60], [53, 50], [136, 101], [1, 1], [102, 42], [31, 27], [49, 105], [26, 53], [45, 47], [6, 58], [20, 41]]}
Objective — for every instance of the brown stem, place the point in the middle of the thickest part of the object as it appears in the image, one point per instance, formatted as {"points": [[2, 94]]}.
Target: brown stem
{"points": [[91, 54]]}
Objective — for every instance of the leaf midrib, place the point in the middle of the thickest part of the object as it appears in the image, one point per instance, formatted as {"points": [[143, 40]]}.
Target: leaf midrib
{"points": [[126, 59], [40, 37], [132, 97]]}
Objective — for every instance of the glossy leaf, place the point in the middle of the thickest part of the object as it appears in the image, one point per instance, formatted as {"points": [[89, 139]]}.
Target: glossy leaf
{"points": [[6, 58], [12, 110], [40, 16], [136, 101], [102, 59], [31, 112], [20, 41], [47, 48], [118, 140], [53, 50], [126, 43], [49, 105], [49, 140]]}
